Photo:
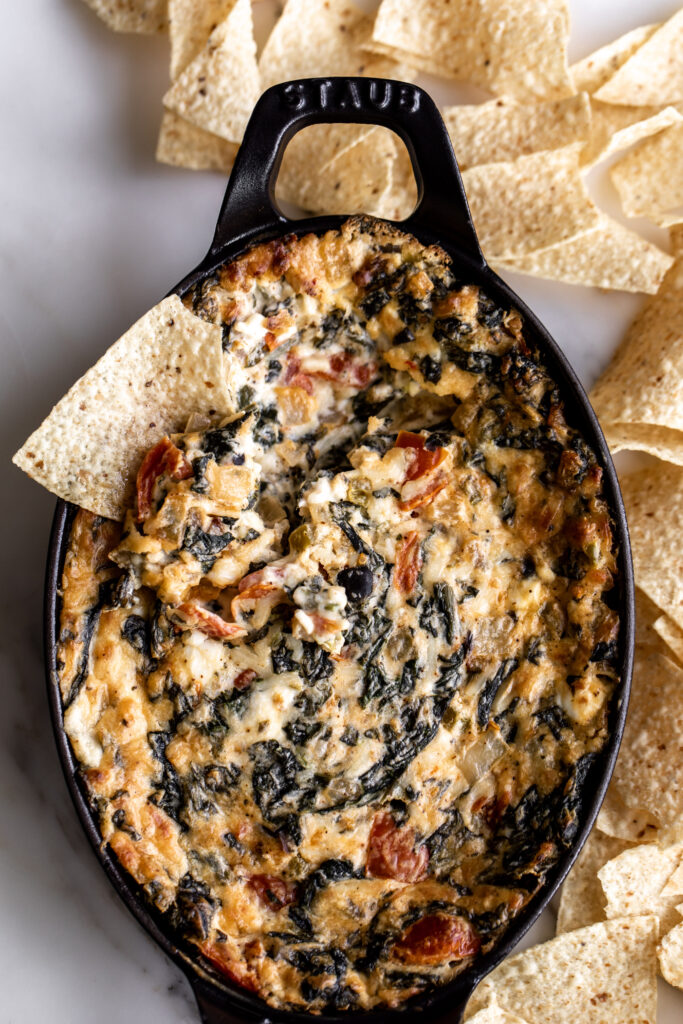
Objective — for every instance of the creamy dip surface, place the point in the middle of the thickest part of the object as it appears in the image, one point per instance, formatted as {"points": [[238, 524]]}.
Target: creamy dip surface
{"points": [[337, 680]]}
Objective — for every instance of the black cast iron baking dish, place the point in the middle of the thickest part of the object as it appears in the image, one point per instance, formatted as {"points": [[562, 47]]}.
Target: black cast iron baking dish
{"points": [[249, 215]]}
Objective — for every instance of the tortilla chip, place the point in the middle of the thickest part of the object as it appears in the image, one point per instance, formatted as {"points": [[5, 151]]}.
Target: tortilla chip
{"points": [[165, 367], [670, 954], [218, 89], [190, 25], [493, 1014], [676, 239], [643, 385], [647, 614], [623, 822], [649, 180], [641, 437], [356, 180], [606, 256], [146, 16], [614, 128], [654, 506], [652, 748], [530, 203], [653, 73], [312, 38], [635, 883], [598, 67], [401, 199], [505, 129], [516, 48], [606, 972], [672, 635], [582, 901], [182, 144]]}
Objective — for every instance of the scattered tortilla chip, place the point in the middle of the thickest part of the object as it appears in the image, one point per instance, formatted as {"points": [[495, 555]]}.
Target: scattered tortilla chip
{"points": [[530, 203], [505, 129], [165, 367], [401, 199], [642, 387], [356, 180], [312, 38], [641, 437], [606, 256], [582, 901], [649, 179], [671, 634], [606, 972], [651, 750], [614, 128], [634, 883], [647, 614], [182, 144], [653, 73], [493, 1014], [218, 89], [190, 25], [676, 239], [516, 48], [654, 507], [670, 954], [146, 16], [624, 822], [598, 67]]}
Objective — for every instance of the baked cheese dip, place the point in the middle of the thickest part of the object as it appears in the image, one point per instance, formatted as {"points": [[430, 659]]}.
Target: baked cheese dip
{"points": [[337, 681]]}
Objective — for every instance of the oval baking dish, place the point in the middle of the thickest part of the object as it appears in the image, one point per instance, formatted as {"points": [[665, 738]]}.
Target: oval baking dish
{"points": [[249, 216]]}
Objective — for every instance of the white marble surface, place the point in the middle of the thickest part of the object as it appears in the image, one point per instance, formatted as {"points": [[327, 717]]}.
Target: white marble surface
{"points": [[95, 232]]}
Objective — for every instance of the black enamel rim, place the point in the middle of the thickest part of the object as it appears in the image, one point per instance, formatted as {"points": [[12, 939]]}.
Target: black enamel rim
{"points": [[249, 215]]}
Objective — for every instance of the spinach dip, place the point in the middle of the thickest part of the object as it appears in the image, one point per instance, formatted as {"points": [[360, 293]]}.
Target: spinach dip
{"points": [[337, 680]]}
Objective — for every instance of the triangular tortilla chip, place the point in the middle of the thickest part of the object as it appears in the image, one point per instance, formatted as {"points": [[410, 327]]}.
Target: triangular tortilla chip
{"points": [[672, 635], [651, 748], [528, 204], [606, 972], [190, 25], [511, 47], [590, 73], [182, 144], [654, 507], [643, 437], [653, 73], [614, 128], [582, 901], [147, 16], [310, 153], [356, 180], [646, 635], [312, 38], [624, 822], [169, 365], [493, 1014], [635, 883], [670, 954], [505, 129], [218, 89], [649, 179], [606, 256], [643, 385]]}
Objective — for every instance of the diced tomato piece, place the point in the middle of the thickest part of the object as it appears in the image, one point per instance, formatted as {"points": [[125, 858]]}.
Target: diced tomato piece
{"points": [[232, 969], [272, 341], [424, 460], [259, 596], [246, 676], [163, 458], [345, 369], [436, 938], [392, 852], [425, 496], [273, 891], [408, 563], [293, 376], [195, 614]]}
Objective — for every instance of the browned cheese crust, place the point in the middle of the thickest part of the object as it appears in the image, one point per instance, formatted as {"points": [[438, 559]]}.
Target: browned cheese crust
{"points": [[336, 683]]}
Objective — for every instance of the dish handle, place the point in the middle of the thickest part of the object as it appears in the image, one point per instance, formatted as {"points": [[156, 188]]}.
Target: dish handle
{"points": [[285, 109]]}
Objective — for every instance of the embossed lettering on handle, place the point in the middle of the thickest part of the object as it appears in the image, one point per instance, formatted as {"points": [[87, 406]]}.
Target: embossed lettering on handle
{"points": [[283, 110]]}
